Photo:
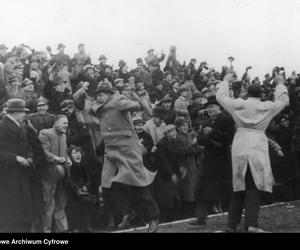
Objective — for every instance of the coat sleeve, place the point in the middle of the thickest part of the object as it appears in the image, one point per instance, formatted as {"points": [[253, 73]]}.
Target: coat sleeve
{"points": [[180, 108], [162, 162], [281, 99], [6, 158], [125, 104], [223, 98], [46, 146]]}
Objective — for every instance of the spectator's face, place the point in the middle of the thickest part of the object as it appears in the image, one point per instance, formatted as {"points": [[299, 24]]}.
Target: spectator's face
{"points": [[20, 116], [166, 105], [159, 87], [214, 110], [194, 62], [19, 72], [34, 65], [131, 80], [198, 100], [62, 124], [69, 111], [15, 84], [61, 50], [120, 84], [76, 156], [175, 85], [169, 77], [29, 88], [90, 72], [157, 121], [138, 127], [60, 87], [126, 92], [184, 128], [102, 97], [42, 108], [172, 134], [184, 93]]}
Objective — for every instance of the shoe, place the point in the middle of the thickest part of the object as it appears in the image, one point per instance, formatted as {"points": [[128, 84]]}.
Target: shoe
{"points": [[215, 209], [230, 230], [153, 226], [256, 230], [197, 223], [125, 222]]}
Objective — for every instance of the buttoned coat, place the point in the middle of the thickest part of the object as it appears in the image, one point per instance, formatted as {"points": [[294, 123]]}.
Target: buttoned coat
{"points": [[250, 144]]}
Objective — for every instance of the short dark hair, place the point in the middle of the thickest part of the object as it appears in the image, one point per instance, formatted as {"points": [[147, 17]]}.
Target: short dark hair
{"points": [[254, 90], [76, 148]]}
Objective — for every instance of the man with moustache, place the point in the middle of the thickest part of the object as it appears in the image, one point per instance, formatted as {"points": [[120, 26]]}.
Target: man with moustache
{"points": [[55, 147]]}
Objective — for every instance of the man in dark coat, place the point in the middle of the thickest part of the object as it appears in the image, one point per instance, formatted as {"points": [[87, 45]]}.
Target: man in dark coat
{"points": [[56, 92], [215, 181], [15, 160], [146, 141]]}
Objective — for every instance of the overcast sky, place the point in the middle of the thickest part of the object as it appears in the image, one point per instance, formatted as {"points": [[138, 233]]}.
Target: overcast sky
{"points": [[260, 33]]}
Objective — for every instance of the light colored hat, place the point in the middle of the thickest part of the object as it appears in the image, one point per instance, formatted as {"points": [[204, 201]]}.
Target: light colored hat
{"points": [[169, 128]]}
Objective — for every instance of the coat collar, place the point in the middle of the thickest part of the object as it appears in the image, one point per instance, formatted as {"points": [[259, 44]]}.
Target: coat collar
{"points": [[12, 126]]}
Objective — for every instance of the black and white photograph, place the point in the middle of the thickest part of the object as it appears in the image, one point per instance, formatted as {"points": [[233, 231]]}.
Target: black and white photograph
{"points": [[149, 116]]}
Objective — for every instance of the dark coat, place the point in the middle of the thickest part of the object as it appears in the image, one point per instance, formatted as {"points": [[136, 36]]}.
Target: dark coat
{"points": [[191, 160], [167, 162], [170, 117], [56, 98], [215, 182], [40, 121], [147, 142], [194, 112], [282, 167], [79, 135], [16, 206]]}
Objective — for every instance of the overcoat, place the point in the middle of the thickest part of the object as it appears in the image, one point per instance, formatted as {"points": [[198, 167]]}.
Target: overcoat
{"points": [[250, 144], [123, 161], [215, 182], [167, 162], [15, 197]]}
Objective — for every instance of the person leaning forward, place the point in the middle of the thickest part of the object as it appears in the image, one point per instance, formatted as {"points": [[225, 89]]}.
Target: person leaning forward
{"points": [[123, 168]]}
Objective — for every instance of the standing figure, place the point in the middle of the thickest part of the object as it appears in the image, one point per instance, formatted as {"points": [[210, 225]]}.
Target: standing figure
{"points": [[251, 167]]}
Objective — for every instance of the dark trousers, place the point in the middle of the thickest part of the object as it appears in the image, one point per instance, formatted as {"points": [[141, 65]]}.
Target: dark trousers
{"points": [[202, 209], [125, 198], [250, 199]]}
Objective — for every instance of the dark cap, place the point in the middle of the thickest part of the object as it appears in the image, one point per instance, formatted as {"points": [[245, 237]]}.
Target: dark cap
{"points": [[196, 94], [105, 87], [179, 121]]}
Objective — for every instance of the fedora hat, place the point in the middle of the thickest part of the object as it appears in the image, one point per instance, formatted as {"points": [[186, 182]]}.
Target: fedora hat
{"points": [[15, 105], [212, 100]]}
